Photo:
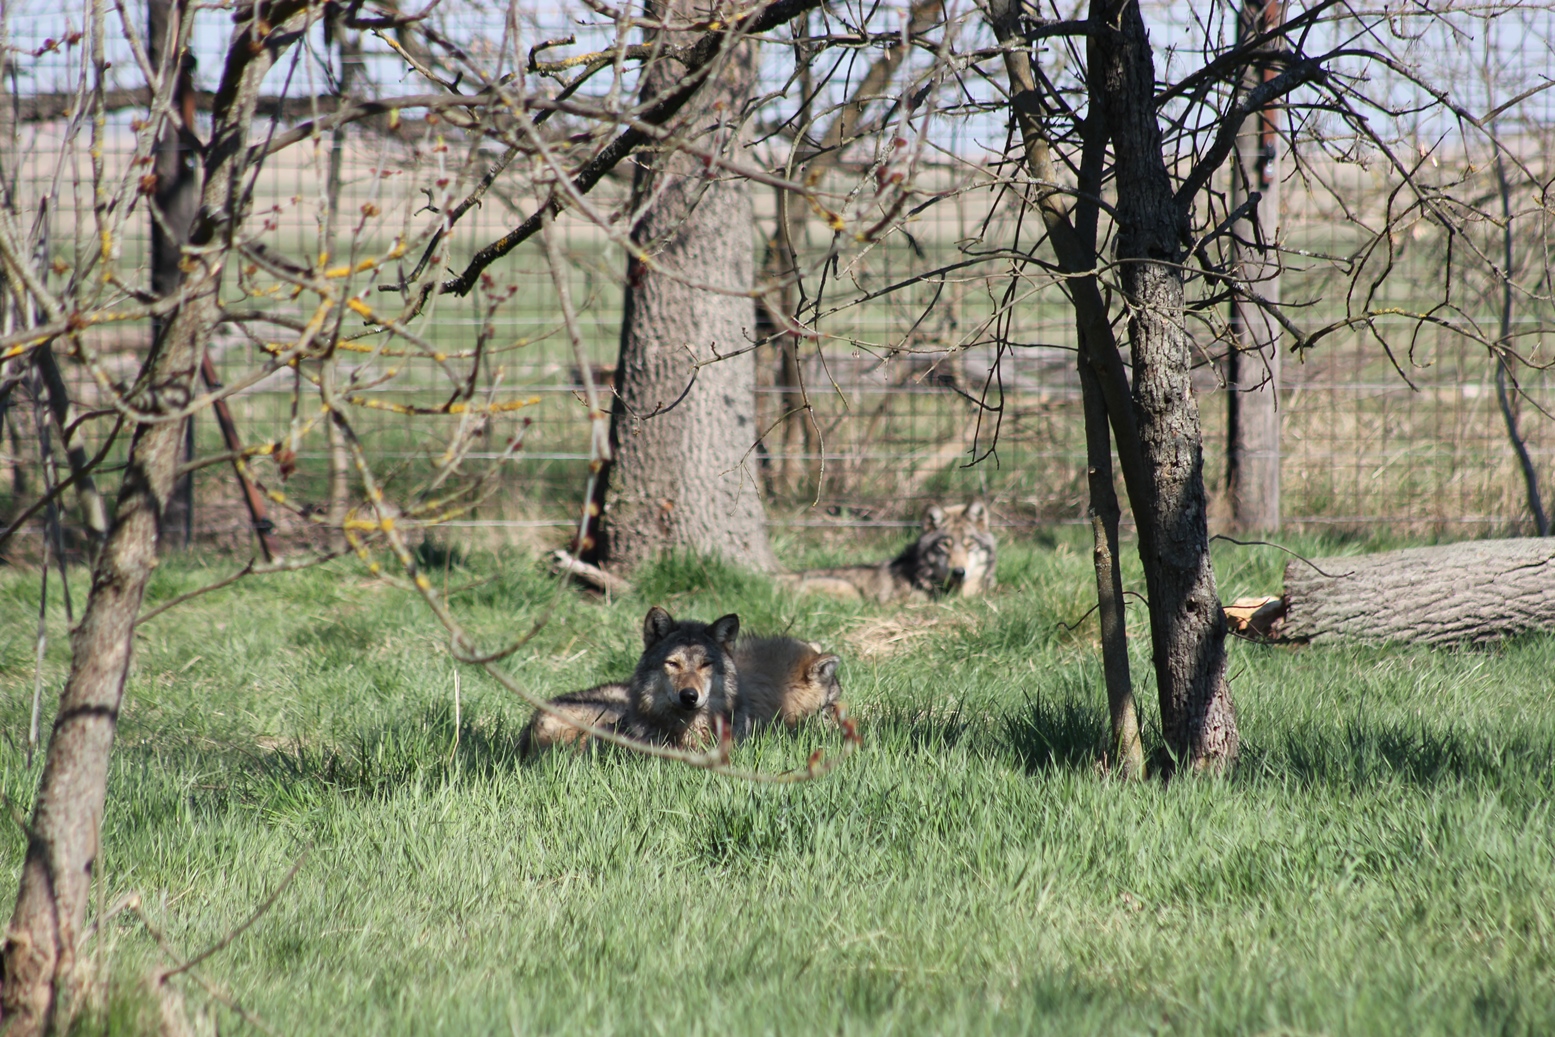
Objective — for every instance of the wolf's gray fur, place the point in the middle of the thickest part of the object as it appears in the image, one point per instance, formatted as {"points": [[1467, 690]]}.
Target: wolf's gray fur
{"points": [[782, 679], [685, 677], [954, 556], [603, 706]]}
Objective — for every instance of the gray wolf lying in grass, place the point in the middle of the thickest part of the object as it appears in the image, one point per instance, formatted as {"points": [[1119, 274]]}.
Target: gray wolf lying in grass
{"points": [[685, 678], [954, 556], [689, 672]]}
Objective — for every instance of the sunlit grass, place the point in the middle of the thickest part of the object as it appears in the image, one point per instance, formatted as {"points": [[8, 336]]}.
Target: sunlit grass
{"points": [[1380, 863]]}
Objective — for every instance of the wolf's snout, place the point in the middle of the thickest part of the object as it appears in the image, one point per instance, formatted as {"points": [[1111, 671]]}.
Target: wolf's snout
{"points": [[689, 697], [958, 573]]}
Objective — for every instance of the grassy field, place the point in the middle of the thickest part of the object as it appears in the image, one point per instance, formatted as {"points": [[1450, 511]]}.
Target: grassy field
{"points": [[1380, 863]]}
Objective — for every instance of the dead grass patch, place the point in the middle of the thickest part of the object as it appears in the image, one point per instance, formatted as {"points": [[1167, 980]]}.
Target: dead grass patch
{"points": [[879, 637]]}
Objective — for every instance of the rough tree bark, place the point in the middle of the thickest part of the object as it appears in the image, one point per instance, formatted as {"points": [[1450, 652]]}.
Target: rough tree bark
{"points": [[1471, 592], [682, 435], [1253, 364], [1187, 625], [40, 943]]}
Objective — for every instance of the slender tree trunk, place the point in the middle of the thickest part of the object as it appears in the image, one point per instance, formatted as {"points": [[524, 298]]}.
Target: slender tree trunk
{"points": [[1253, 364], [176, 197], [798, 423], [51, 903], [1541, 522], [1105, 513], [683, 434], [339, 457], [1187, 626]]}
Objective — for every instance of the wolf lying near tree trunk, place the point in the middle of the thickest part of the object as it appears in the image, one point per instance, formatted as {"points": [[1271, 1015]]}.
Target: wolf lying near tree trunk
{"points": [[689, 673], [954, 556]]}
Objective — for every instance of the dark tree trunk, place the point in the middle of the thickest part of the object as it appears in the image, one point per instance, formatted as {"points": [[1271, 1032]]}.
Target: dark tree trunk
{"points": [[51, 903], [1472, 592], [1103, 385], [1253, 364], [1187, 626], [1105, 513], [176, 198], [683, 435], [1541, 522]]}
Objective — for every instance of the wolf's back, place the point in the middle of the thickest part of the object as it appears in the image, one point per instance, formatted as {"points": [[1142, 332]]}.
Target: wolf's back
{"points": [[782, 679], [604, 706]]}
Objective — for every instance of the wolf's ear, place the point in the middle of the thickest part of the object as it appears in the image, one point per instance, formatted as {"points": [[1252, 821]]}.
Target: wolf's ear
{"points": [[824, 669], [725, 629], [977, 514], [933, 518], [657, 625]]}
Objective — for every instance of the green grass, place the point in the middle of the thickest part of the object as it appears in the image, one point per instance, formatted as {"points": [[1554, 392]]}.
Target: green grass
{"points": [[1380, 863]]}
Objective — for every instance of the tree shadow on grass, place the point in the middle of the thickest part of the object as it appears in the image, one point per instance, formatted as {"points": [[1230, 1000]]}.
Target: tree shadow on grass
{"points": [[1048, 735], [918, 728], [380, 760], [1362, 752], [1040, 735]]}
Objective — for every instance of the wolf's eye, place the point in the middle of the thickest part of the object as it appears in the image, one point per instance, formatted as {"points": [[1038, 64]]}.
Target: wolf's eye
{"points": [[672, 664]]}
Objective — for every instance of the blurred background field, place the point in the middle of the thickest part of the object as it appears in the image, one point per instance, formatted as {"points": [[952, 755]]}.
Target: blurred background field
{"points": [[1394, 423]]}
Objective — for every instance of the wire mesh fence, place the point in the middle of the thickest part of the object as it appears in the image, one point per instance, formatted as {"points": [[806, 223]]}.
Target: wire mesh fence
{"points": [[912, 395]]}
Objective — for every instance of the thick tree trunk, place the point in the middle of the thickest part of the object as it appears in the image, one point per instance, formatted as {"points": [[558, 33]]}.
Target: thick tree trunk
{"points": [[1187, 626], [683, 434], [51, 903], [1471, 592], [1253, 365]]}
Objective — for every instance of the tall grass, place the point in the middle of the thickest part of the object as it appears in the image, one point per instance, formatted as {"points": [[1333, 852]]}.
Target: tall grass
{"points": [[1380, 862]]}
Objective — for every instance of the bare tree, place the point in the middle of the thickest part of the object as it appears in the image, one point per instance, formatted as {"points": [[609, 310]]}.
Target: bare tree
{"points": [[1253, 359], [1117, 200], [232, 261]]}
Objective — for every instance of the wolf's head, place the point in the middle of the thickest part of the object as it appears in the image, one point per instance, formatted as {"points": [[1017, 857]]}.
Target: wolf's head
{"points": [[820, 678], [956, 552], [686, 674]]}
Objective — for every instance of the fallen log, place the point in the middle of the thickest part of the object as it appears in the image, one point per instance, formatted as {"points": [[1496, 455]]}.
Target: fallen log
{"points": [[1472, 592]]}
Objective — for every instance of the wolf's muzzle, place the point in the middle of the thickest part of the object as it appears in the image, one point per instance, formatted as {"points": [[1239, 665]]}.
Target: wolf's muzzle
{"points": [[689, 698], [957, 574]]}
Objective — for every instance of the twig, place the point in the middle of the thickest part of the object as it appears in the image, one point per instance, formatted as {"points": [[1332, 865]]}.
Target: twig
{"points": [[226, 941], [251, 569], [1277, 547], [210, 988]]}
